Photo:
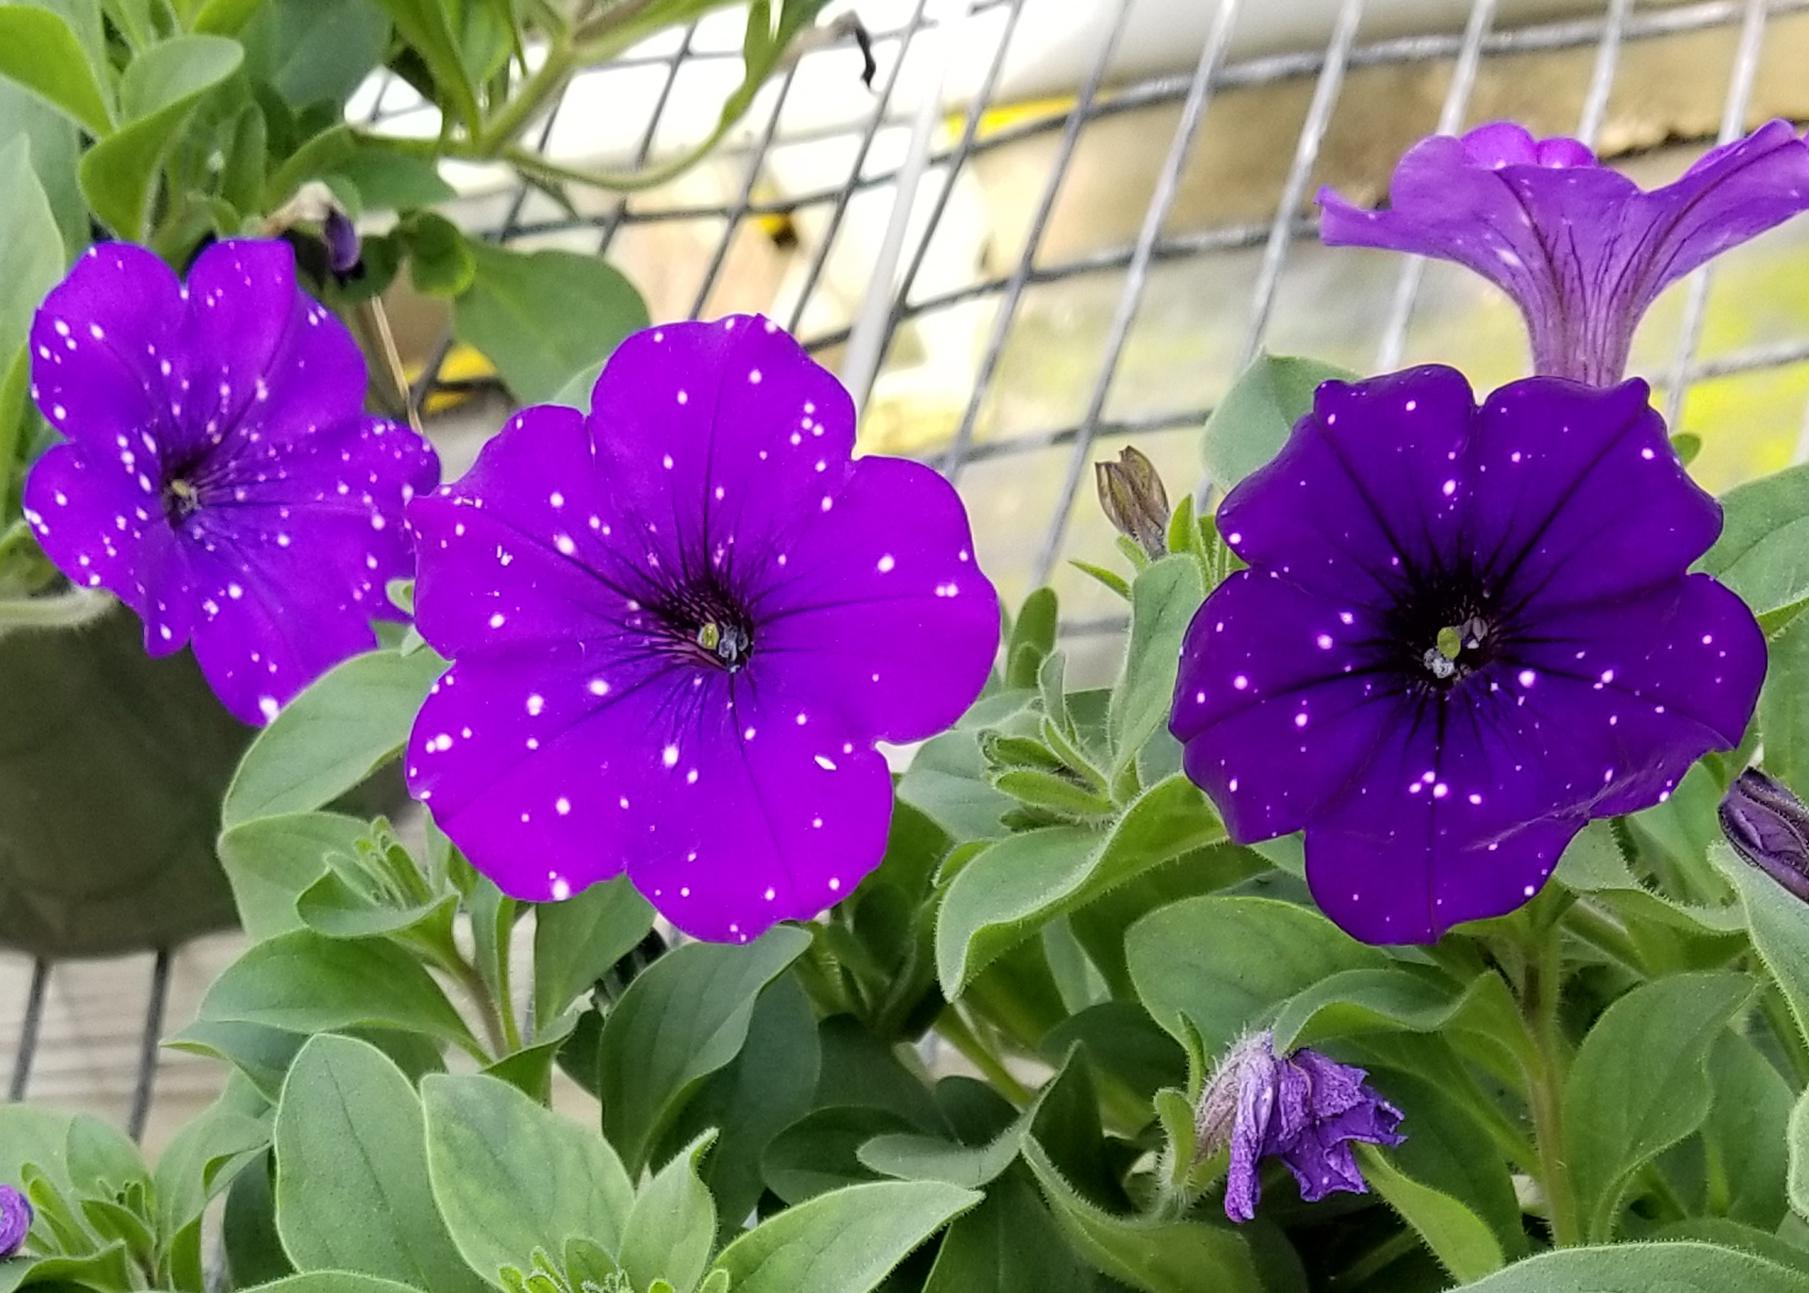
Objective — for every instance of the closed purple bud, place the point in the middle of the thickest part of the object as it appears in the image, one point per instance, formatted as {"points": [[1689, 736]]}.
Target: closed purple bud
{"points": [[1769, 827], [1306, 1109], [342, 242], [1134, 500], [15, 1220]]}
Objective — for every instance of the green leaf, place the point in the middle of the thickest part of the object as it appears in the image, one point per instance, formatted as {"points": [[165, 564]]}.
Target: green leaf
{"points": [[767, 1088], [159, 90], [1461, 1240], [1400, 997], [847, 1240], [1784, 705], [1213, 966], [1640, 1083], [351, 1171], [334, 907], [387, 180], [349, 722], [512, 1177], [576, 941], [315, 51], [248, 1235], [1022, 882], [1797, 1136], [1163, 601], [1032, 638], [821, 1151], [40, 51], [1775, 920], [305, 983], [427, 27], [1154, 1256], [1747, 1161], [1009, 1244], [1460, 1201], [201, 1160], [31, 249], [55, 1271], [1645, 1268], [543, 316], [680, 1021], [1252, 421], [441, 260], [672, 1228], [334, 1282], [271, 861], [1763, 551]]}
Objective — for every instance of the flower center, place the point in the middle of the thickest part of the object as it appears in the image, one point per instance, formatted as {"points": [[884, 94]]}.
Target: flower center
{"points": [[730, 642], [1457, 649], [180, 499]]}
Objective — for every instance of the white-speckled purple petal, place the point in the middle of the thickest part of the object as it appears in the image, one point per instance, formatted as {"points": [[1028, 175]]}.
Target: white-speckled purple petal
{"points": [[897, 622], [769, 808]]}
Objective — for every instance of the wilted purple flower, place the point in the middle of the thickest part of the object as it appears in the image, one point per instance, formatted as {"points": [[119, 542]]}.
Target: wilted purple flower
{"points": [[1580, 247], [1463, 634], [1305, 1108], [15, 1220], [1769, 827], [220, 475], [677, 629]]}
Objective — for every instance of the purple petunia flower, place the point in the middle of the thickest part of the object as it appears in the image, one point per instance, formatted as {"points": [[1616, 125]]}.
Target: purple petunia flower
{"points": [[15, 1220], [220, 475], [1580, 247], [1305, 1108], [677, 629], [1463, 634]]}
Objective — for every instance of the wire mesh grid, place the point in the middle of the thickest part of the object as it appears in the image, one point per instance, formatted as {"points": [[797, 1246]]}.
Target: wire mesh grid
{"points": [[896, 186]]}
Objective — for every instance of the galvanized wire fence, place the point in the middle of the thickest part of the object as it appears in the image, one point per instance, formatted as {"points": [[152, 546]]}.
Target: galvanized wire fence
{"points": [[903, 159]]}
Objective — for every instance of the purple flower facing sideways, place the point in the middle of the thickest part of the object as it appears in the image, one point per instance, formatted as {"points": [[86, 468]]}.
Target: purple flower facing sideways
{"points": [[1462, 634], [220, 476], [678, 627], [1581, 248], [1306, 1109], [15, 1220]]}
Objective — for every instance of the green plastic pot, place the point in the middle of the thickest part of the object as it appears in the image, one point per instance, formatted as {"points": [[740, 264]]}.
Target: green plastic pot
{"points": [[112, 767]]}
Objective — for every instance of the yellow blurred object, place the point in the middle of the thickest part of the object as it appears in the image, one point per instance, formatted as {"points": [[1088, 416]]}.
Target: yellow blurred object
{"points": [[462, 364]]}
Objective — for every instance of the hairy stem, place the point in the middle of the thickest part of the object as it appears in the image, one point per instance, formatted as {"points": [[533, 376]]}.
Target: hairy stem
{"points": [[1539, 992], [955, 1031]]}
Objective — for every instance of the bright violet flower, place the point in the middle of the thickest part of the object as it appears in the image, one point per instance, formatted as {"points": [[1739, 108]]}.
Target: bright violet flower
{"points": [[1463, 634], [220, 476], [15, 1220], [1580, 247], [1304, 1108], [677, 629]]}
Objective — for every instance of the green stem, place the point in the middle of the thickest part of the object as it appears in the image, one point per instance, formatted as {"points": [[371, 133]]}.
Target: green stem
{"points": [[1604, 933], [955, 1031], [69, 609], [530, 163], [534, 95], [504, 1002], [1539, 994]]}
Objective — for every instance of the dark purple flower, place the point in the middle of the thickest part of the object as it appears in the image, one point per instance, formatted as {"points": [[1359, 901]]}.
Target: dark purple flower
{"points": [[15, 1220], [220, 475], [341, 237], [1463, 634], [1769, 827], [1580, 247], [677, 629], [1305, 1108]]}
